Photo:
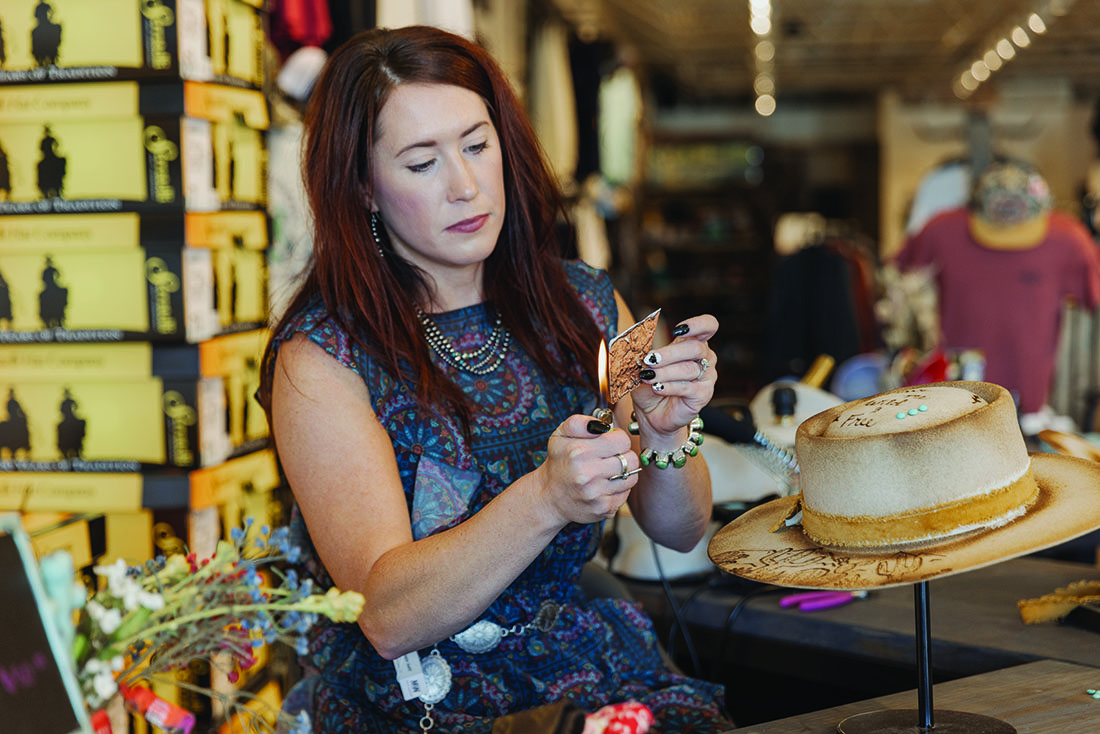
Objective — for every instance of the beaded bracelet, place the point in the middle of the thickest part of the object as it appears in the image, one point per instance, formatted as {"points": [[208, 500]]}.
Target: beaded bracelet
{"points": [[678, 457]]}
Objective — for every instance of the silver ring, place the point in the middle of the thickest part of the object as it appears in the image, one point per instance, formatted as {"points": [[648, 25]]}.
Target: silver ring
{"points": [[622, 463], [625, 468], [704, 364]]}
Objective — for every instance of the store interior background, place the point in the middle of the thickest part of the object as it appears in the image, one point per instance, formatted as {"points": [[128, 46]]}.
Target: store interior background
{"points": [[869, 98], [867, 101], [685, 203]]}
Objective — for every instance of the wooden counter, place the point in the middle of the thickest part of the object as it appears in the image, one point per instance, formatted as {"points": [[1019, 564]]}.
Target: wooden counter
{"points": [[775, 660], [1045, 697]]}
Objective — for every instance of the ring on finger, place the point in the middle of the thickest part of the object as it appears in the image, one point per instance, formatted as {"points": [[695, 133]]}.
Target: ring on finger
{"points": [[704, 365], [626, 472]]}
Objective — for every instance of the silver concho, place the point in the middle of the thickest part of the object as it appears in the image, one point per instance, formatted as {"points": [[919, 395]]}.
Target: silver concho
{"points": [[479, 637], [437, 678]]}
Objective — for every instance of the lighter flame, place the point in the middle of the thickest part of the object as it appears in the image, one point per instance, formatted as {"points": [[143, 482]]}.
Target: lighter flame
{"points": [[605, 387]]}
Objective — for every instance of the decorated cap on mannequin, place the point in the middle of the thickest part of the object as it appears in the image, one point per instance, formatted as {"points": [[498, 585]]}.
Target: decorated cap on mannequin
{"points": [[1009, 207]]}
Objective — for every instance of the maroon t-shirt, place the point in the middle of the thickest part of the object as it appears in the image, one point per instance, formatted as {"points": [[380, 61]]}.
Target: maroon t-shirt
{"points": [[1007, 303]]}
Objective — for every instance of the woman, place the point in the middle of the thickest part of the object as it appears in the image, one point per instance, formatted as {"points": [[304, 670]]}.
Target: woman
{"points": [[430, 392]]}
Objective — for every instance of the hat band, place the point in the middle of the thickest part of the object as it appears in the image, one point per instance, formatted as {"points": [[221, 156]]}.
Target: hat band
{"points": [[927, 523]]}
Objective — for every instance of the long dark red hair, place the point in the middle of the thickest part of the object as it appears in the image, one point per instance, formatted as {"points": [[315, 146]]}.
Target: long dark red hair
{"points": [[371, 297]]}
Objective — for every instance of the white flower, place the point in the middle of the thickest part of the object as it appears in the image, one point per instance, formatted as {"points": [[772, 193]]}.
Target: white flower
{"points": [[116, 575], [107, 619], [151, 600], [103, 678], [125, 587]]}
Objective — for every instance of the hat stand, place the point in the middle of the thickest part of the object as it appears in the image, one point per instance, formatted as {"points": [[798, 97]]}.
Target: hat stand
{"points": [[924, 719]]}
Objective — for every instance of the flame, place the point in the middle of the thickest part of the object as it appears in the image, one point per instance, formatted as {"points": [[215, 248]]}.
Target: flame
{"points": [[605, 383]]}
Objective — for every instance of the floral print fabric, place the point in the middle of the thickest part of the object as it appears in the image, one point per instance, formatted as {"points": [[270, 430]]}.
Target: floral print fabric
{"points": [[600, 651]]}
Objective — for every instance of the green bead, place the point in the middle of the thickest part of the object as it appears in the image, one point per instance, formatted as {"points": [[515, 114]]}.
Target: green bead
{"points": [[899, 416], [691, 449], [662, 462], [913, 411], [645, 458], [923, 408], [679, 458]]}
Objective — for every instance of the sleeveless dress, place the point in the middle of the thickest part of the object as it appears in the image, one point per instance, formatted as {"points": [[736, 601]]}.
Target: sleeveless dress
{"points": [[597, 651]]}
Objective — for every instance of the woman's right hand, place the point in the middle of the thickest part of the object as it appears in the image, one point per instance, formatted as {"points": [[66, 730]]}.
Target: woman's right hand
{"points": [[580, 474]]}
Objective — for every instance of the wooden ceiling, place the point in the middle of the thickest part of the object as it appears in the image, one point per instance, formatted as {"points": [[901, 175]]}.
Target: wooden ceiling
{"points": [[704, 49]]}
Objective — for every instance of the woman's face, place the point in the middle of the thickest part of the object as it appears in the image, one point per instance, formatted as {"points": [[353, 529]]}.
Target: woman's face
{"points": [[439, 178]]}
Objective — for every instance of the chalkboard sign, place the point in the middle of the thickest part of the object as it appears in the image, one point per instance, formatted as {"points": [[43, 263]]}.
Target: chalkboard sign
{"points": [[38, 689]]}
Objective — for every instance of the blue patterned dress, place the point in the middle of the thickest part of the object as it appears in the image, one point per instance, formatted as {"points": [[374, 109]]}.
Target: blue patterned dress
{"points": [[599, 651]]}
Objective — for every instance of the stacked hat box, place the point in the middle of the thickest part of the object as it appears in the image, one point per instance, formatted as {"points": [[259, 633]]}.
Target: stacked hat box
{"points": [[129, 406], [121, 276], [204, 40], [125, 146], [208, 500]]}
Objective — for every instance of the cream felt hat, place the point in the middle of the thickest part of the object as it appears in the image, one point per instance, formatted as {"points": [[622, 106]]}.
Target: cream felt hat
{"points": [[910, 485]]}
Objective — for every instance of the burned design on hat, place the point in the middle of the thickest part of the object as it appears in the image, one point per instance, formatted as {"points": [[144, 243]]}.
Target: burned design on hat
{"points": [[880, 414], [817, 567]]}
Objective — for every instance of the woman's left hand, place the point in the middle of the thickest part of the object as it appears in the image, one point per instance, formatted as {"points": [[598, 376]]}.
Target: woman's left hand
{"points": [[678, 379]]}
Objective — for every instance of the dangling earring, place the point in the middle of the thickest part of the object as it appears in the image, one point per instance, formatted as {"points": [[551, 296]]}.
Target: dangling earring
{"points": [[374, 220]]}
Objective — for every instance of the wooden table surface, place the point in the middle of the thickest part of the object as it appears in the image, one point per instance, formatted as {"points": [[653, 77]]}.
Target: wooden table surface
{"points": [[975, 622], [1047, 696]]}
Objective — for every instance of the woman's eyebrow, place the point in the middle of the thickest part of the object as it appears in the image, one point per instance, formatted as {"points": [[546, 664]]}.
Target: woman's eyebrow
{"points": [[431, 143]]}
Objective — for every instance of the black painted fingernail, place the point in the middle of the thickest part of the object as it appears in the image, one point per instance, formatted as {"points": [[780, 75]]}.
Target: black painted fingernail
{"points": [[647, 374], [598, 427], [680, 330]]}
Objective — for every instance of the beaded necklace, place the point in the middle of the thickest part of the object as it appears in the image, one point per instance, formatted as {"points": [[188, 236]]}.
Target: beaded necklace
{"points": [[480, 361]]}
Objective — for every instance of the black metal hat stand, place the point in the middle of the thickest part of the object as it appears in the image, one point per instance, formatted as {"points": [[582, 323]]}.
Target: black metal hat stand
{"points": [[924, 719]]}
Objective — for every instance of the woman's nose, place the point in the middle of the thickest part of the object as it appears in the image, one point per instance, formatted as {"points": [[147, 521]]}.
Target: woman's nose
{"points": [[463, 183]]}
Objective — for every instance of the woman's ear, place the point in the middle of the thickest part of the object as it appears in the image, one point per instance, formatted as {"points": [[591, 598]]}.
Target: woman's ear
{"points": [[368, 200]]}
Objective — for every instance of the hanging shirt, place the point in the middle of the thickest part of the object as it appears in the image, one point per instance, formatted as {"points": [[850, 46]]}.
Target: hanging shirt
{"points": [[1007, 303], [552, 103]]}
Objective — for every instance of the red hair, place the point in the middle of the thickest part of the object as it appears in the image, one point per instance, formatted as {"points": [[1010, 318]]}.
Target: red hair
{"points": [[371, 297]]}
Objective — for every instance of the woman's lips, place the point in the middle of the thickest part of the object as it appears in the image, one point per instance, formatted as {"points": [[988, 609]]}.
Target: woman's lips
{"points": [[469, 225]]}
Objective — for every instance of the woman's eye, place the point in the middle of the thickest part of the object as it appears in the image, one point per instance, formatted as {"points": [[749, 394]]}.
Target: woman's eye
{"points": [[421, 167], [478, 147]]}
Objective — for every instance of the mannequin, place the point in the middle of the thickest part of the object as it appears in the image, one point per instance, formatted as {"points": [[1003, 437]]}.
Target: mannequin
{"points": [[1004, 268]]}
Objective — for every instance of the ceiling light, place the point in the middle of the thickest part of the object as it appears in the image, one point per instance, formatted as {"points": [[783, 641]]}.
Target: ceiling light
{"points": [[968, 82], [764, 84], [1020, 37], [1036, 24], [765, 50], [760, 25], [765, 105], [979, 70], [1005, 49], [992, 60]]}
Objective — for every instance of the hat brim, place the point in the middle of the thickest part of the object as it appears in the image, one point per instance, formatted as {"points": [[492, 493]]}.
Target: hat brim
{"points": [[1022, 236], [1068, 507]]}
